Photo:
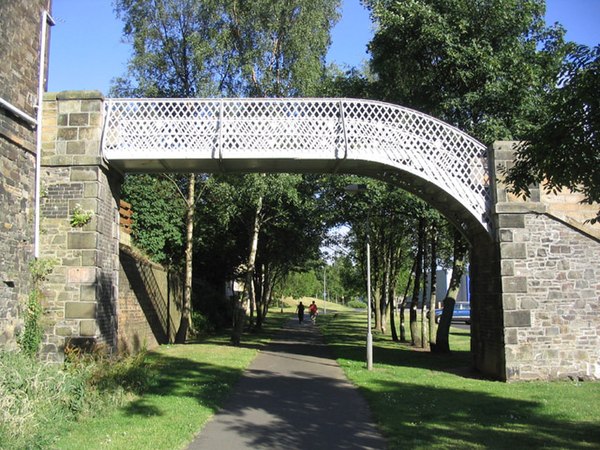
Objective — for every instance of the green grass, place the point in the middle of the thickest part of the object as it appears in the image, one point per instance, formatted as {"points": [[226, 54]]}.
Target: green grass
{"points": [[422, 400], [190, 382]]}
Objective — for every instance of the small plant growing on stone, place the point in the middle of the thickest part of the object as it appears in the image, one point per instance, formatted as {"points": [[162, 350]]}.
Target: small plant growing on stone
{"points": [[31, 335], [81, 217]]}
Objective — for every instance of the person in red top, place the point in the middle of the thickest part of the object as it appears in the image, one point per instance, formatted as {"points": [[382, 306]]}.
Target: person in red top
{"points": [[313, 311]]}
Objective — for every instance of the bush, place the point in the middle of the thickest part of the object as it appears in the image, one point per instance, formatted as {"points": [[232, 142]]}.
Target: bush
{"points": [[36, 399], [112, 375], [356, 304], [39, 400], [201, 323], [30, 337]]}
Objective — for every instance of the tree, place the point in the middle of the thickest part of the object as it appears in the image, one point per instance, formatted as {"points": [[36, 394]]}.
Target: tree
{"points": [[481, 66], [292, 229], [565, 150], [277, 50], [172, 57], [158, 225], [187, 48], [442, 344]]}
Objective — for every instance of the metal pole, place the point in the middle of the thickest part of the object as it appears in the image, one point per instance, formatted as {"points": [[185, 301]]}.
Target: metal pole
{"points": [[353, 189], [46, 18], [324, 289], [369, 334]]}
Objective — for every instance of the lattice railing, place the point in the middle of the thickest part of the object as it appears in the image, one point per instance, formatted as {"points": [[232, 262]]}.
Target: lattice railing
{"points": [[328, 129]]}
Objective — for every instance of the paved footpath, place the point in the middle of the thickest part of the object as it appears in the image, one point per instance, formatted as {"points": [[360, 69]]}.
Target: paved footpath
{"points": [[294, 395]]}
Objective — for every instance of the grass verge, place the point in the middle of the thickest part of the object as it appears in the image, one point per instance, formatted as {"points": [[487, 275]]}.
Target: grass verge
{"points": [[422, 400], [187, 384]]}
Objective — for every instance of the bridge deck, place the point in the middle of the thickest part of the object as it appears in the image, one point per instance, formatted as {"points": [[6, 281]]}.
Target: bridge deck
{"points": [[302, 135]]}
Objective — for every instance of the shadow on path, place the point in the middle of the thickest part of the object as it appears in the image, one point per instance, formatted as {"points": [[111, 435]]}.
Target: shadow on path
{"points": [[293, 396]]}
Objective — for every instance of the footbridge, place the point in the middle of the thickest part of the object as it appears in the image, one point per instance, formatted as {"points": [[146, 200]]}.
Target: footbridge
{"points": [[534, 265], [441, 164]]}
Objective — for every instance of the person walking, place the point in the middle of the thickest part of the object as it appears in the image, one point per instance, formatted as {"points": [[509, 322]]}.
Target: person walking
{"points": [[300, 311]]}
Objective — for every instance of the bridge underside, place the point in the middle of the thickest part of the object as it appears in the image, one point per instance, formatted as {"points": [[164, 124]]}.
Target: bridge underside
{"points": [[429, 192]]}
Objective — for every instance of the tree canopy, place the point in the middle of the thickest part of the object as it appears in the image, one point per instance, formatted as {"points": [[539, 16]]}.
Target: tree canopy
{"points": [[481, 66], [565, 150]]}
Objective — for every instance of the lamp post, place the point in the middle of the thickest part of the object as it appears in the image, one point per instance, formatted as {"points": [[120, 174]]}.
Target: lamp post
{"points": [[354, 189], [324, 288]]}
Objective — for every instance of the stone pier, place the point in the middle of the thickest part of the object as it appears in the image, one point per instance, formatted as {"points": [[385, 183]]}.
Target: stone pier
{"points": [[549, 280], [81, 293]]}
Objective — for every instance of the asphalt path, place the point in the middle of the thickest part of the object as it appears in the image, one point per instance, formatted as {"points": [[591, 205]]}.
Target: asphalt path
{"points": [[294, 395]]}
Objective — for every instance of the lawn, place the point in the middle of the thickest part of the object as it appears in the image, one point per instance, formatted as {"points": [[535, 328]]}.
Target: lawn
{"points": [[419, 400], [422, 400], [189, 384]]}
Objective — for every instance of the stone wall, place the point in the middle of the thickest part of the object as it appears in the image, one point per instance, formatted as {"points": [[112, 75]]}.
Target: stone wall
{"points": [[81, 293], [487, 328], [149, 307], [550, 275], [20, 24]]}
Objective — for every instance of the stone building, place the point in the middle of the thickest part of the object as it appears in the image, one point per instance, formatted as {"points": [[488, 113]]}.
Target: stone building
{"points": [[21, 24]]}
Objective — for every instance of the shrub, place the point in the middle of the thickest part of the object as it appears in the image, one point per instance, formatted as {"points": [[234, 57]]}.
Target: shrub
{"points": [[80, 217], [36, 399], [201, 324], [39, 400], [356, 304]]}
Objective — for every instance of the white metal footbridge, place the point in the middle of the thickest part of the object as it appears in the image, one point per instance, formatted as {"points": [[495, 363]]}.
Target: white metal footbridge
{"points": [[430, 158]]}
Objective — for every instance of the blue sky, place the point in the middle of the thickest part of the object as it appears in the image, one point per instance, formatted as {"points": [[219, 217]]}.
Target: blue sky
{"points": [[86, 51]]}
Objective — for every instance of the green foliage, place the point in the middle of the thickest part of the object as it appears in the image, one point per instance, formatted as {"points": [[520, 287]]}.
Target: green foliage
{"points": [[301, 284], [196, 48], [565, 150], [158, 211], [30, 337], [202, 324], [80, 217], [352, 83], [481, 66], [33, 398], [38, 400], [356, 304]]}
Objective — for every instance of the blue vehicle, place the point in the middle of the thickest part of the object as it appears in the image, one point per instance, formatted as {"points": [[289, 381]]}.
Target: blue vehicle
{"points": [[462, 313]]}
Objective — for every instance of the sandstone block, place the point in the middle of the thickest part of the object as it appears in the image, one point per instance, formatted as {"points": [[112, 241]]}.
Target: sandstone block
{"points": [[80, 310], [517, 319], [87, 328]]}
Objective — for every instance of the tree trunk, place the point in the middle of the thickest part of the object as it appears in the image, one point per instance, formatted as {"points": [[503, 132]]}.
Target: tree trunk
{"points": [[442, 338], [390, 293], [433, 293], [414, 304], [424, 299], [184, 324], [395, 257], [263, 295], [403, 304], [252, 258], [377, 299]]}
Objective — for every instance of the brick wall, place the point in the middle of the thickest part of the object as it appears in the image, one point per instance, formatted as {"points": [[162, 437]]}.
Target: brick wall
{"points": [[149, 307], [20, 24]]}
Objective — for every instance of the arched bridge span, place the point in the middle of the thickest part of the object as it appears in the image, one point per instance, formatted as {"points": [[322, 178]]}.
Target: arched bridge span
{"points": [[534, 279], [430, 158]]}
